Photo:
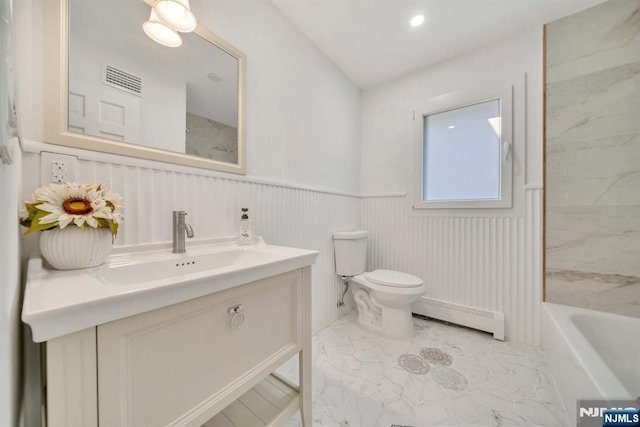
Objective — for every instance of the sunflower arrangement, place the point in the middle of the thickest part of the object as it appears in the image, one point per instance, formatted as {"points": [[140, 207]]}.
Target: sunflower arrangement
{"points": [[76, 204]]}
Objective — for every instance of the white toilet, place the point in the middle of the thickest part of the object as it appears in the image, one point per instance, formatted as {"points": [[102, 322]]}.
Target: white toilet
{"points": [[383, 297]]}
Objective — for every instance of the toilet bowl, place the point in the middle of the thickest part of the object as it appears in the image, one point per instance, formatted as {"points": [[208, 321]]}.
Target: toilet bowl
{"points": [[383, 297]]}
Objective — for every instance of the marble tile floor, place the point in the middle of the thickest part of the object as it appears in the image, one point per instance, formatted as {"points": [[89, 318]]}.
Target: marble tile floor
{"points": [[446, 376]]}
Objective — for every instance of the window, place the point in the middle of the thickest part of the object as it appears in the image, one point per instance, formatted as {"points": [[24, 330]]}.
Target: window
{"points": [[462, 152]]}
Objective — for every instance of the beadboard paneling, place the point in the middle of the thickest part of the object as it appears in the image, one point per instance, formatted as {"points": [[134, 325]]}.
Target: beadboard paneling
{"points": [[282, 215], [489, 262]]}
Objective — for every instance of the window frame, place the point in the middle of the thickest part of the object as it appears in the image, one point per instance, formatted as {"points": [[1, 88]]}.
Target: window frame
{"points": [[452, 101]]}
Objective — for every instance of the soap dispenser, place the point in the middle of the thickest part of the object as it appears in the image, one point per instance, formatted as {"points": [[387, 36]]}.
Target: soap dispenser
{"points": [[244, 233]]}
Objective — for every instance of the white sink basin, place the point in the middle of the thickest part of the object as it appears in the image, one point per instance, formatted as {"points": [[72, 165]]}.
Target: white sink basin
{"points": [[137, 270], [57, 302]]}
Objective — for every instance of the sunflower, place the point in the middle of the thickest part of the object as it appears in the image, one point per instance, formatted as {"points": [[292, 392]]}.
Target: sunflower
{"points": [[114, 203], [60, 205]]}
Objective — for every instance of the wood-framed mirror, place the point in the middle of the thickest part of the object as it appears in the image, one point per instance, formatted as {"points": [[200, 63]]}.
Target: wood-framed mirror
{"points": [[110, 88]]}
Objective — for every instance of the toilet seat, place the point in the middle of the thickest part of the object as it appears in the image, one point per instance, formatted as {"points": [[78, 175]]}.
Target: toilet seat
{"points": [[394, 279]]}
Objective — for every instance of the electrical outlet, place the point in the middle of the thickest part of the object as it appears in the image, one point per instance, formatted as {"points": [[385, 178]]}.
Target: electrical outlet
{"points": [[57, 168]]}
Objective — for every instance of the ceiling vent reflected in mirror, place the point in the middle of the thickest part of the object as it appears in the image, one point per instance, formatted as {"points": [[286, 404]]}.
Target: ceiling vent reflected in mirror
{"points": [[122, 80]]}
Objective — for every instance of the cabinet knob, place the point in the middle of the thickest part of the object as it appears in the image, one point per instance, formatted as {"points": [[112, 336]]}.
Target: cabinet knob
{"points": [[237, 317]]}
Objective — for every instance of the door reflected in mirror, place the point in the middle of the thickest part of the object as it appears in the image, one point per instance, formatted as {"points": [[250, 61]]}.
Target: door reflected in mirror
{"points": [[124, 87]]}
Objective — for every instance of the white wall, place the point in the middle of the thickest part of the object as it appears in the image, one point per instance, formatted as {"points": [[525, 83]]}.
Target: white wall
{"points": [[385, 107], [303, 114], [10, 291], [303, 137], [480, 258], [302, 148]]}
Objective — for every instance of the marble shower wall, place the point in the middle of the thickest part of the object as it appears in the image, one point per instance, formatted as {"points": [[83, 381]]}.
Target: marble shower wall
{"points": [[593, 159], [211, 139]]}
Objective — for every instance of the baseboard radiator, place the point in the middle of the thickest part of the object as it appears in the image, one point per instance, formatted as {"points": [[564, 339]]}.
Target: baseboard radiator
{"points": [[477, 318]]}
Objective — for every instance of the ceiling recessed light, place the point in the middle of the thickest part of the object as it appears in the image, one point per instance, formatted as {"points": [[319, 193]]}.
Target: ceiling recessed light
{"points": [[417, 20], [452, 127]]}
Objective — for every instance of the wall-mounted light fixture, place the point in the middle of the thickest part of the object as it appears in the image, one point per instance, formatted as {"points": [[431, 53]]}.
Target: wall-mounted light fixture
{"points": [[176, 14], [160, 33], [167, 18]]}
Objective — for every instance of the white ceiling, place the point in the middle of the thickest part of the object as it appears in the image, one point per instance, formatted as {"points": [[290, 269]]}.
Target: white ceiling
{"points": [[372, 41]]}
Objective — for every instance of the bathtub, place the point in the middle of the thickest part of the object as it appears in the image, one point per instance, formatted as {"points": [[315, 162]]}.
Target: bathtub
{"points": [[593, 355]]}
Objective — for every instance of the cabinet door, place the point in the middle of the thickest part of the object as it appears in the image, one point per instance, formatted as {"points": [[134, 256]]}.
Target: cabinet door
{"points": [[181, 364]]}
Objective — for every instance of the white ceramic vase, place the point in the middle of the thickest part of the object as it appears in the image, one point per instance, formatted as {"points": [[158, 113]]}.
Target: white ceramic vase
{"points": [[74, 247]]}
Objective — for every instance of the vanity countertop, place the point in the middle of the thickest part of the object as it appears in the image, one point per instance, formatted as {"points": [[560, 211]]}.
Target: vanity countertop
{"points": [[135, 280]]}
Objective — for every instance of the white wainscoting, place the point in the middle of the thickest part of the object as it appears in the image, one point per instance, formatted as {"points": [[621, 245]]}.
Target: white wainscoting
{"points": [[494, 263], [283, 215]]}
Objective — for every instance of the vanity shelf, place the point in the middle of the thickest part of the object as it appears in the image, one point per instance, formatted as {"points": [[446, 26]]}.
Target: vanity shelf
{"points": [[269, 403]]}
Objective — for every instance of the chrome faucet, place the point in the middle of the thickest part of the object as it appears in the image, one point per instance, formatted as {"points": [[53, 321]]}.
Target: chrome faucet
{"points": [[180, 228]]}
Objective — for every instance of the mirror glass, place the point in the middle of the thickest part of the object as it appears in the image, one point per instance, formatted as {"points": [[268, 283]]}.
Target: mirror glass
{"points": [[125, 87]]}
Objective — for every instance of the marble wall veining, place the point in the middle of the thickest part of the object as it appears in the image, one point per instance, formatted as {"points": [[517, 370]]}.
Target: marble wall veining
{"points": [[593, 159], [211, 139]]}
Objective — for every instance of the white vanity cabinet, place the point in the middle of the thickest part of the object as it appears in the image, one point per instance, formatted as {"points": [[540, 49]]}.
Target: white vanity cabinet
{"points": [[189, 364]]}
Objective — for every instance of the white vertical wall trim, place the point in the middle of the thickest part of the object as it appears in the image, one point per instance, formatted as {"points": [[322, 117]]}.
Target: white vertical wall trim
{"points": [[488, 262], [287, 216]]}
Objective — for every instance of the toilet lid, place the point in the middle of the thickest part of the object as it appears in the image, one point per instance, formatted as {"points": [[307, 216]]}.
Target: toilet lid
{"points": [[394, 278]]}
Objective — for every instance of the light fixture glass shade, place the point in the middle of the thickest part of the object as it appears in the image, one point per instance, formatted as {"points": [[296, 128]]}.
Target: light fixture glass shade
{"points": [[160, 33], [176, 14], [417, 20]]}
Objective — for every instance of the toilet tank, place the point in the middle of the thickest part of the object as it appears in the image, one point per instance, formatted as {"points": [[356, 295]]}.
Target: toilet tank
{"points": [[350, 249]]}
